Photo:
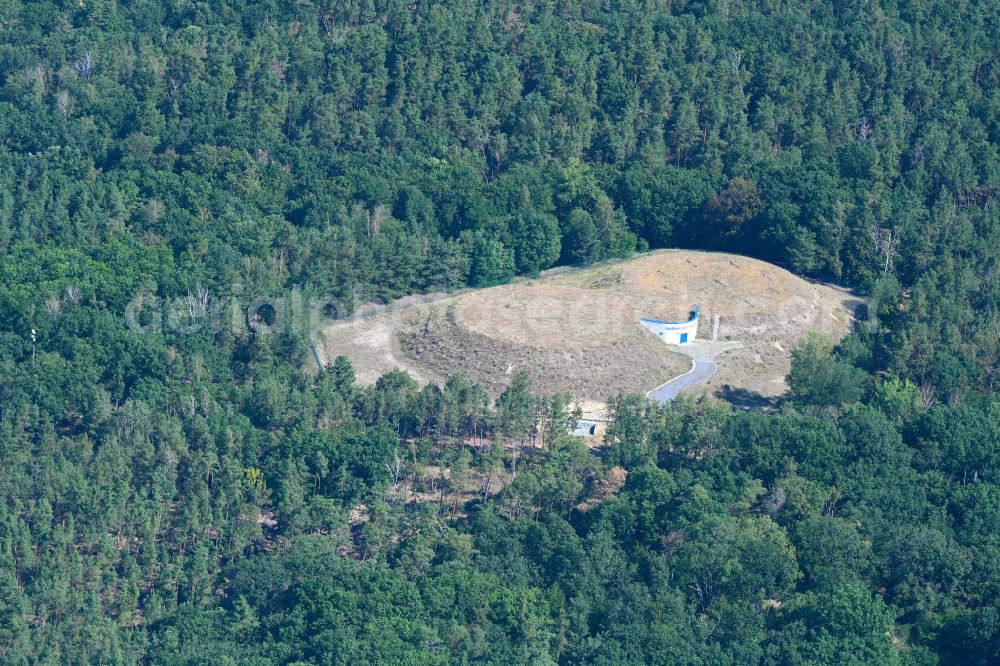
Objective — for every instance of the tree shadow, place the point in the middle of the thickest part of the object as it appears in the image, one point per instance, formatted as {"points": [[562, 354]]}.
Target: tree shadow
{"points": [[744, 399]]}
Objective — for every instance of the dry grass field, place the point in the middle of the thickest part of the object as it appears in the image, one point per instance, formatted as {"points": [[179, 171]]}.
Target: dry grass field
{"points": [[577, 331]]}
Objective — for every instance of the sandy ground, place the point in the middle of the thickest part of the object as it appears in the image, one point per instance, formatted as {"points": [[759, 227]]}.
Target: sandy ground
{"points": [[371, 344], [766, 308], [576, 330]]}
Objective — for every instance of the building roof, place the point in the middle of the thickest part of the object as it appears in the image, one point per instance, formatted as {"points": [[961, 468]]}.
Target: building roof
{"points": [[584, 429], [672, 323]]}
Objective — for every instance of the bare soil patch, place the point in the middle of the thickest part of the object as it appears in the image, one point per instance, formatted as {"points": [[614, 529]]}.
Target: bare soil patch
{"points": [[765, 307], [577, 331]]}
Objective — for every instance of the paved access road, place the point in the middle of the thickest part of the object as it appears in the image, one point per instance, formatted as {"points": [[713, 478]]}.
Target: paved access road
{"points": [[701, 371], [703, 366]]}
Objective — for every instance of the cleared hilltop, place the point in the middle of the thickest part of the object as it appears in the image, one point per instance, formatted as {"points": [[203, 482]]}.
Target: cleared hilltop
{"points": [[577, 331]]}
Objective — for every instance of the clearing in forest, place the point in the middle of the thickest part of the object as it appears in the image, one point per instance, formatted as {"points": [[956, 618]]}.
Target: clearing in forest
{"points": [[577, 331]]}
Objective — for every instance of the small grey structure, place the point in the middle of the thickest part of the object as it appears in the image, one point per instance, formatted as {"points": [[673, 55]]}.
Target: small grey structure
{"points": [[584, 429]]}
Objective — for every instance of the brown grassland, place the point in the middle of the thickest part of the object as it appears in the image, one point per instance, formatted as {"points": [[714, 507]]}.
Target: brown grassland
{"points": [[577, 331]]}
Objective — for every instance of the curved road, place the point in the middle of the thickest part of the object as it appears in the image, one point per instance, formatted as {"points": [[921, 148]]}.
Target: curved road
{"points": [[699, 372]]}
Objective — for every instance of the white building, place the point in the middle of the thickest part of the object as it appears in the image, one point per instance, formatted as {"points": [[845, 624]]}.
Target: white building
{"points": [[673, 332]]}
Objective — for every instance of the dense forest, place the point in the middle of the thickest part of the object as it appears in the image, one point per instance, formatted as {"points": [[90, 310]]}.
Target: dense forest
{"points": [[193, 494]]}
